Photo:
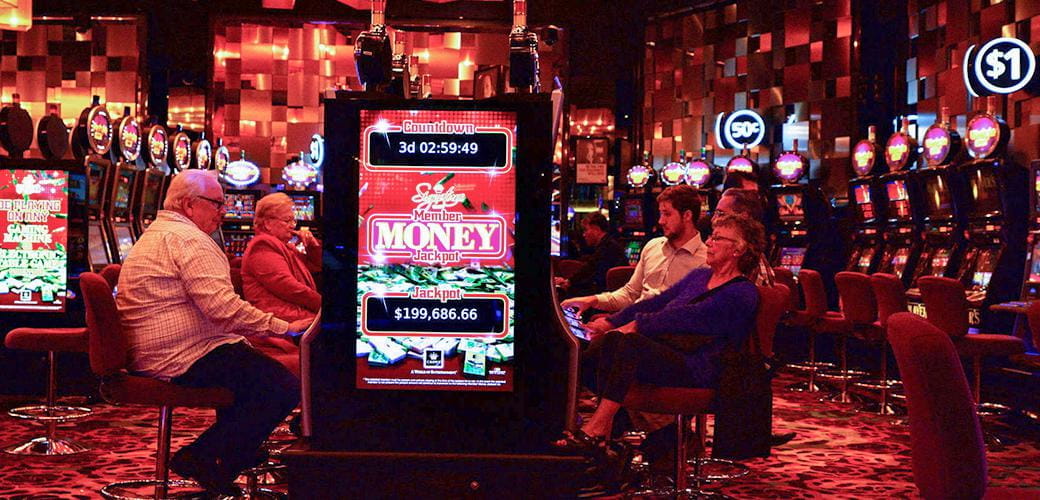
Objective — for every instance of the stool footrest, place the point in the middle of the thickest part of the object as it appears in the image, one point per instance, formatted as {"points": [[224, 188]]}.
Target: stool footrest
{"points": [[130, 490], [878, 384], [44, 413], [46, 446]]}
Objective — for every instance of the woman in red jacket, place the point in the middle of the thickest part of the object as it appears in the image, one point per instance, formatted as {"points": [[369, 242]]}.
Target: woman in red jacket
{"points": [[276, 275]]}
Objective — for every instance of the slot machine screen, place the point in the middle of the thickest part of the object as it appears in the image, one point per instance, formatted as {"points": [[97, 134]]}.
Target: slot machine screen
{"points": [[426, 170], [899, 260], [1036, 191], [96, 245], [1034, 263], [865, 258], [898, 200], [34, 223], [303, 207], [792, 258], [95, 184], [937, 197], [984, 267], [940, 260], [241, 206], [789, 206], [864, 205], [124, 240], [984, 194], [79, 190], [152, 188], [633, 212], [121, 202]]}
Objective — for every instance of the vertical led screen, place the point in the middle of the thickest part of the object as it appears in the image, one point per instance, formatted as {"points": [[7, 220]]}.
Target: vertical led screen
{"points": [[34, 207], [435, 250]]}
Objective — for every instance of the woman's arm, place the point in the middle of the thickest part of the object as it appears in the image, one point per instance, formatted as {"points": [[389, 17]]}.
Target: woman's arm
{"points": [[694, 278], [728, 312]]}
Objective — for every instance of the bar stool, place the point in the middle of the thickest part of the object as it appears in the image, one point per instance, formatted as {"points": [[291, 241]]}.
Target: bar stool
{"points": [[857, 317], [618, 276], [51, 340], [111, 274], [890, 297], [947, 307], [815, 307], [109, 360]]}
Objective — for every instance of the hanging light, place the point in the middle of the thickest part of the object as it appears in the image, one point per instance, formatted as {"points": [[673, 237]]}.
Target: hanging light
{"points": [[15, 15]]}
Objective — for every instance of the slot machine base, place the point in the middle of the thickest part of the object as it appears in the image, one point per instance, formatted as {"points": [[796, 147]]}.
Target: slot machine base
{"points": [[359, 474]]}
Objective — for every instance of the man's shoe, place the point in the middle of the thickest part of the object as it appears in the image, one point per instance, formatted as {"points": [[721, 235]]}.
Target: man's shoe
{"points": [[209, 474], [781, 439]]}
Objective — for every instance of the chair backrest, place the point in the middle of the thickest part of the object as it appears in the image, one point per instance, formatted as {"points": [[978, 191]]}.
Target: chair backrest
{"points": [[235, 262], [772, 301], [566, 268], [857, 297], [111, 274], [946, 448], [106, 337], [1033, 316], [889, 295], [945, 303], [815, 293], [237, 283], [784, 276], [618, 276]]}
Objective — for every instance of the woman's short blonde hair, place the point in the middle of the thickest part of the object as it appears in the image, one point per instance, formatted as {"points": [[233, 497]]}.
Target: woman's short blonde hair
{"points": [[269, 206], [753, 235]]}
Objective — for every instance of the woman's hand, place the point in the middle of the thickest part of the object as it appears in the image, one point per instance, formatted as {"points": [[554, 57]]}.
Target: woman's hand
{"points": [[307, 237], [598, 327], [629, 327]]}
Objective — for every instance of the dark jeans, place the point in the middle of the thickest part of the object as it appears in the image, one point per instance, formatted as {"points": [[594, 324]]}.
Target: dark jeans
{"points": [[265, 393], [615, 361]]}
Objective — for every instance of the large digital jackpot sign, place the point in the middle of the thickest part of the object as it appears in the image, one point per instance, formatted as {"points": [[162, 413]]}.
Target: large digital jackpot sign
{"points": [[34, 208], [435, 280]]}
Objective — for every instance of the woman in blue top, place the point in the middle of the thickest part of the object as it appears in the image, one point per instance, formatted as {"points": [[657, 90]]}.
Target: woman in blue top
{"points": [[676, 339]]}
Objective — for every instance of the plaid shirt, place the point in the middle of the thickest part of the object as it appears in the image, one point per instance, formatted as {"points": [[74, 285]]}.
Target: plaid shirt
{"points": [[660, 266], [176, 300]]}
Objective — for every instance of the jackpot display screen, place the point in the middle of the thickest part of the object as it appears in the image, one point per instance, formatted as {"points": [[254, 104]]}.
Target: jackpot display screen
{"points": [[984, 194], [435, 280], [898, 199], [937, 197], [789, 206], [239, 206], [792, 258], [633, 213], [864, 205], [34, 208], [304, 207]]}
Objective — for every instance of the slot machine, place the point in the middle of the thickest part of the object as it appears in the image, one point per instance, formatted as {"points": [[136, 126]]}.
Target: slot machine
{"points": [[126, 149], [202, 153], [500, 379], [118, 210], [867, 207], [798, 208], [301, 177], [91, 143], [741, 163], [943, 232], [180, 151], [153, 180], [996, 202], [636, 214], [239, 205], [699, 174], [902, 236]]}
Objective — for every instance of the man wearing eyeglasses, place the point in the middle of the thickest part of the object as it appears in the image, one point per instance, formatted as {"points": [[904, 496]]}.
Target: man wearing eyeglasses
{"points": [[185, 324]]}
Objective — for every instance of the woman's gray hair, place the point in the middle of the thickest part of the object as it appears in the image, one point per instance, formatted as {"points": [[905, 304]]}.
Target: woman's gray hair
{"points": [[752, 233], [186, 185], [269, 205]]}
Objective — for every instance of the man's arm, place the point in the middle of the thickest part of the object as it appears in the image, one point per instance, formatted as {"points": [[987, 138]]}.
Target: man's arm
{"points": [[628, 294]]}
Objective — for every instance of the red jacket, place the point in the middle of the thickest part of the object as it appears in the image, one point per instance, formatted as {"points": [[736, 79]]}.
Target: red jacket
{"points": [[276, 278]]}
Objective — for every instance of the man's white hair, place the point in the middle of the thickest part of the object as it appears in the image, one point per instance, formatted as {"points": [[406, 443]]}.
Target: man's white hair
{"points": [[186, 185]]}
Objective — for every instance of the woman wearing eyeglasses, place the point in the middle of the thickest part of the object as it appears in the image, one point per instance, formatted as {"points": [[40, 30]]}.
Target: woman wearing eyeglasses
{"points": [[276, 276], [677, 338]]}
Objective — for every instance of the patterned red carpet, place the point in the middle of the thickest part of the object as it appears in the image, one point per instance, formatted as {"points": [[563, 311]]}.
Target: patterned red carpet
{"points": [[837, 454]]}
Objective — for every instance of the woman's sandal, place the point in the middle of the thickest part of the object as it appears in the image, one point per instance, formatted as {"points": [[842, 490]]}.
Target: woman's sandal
{"points": [[578, 443]]}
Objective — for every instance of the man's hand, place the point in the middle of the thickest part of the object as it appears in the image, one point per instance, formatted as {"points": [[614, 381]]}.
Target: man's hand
{"points": [[561, 282], [299, 326], [582, 304]]}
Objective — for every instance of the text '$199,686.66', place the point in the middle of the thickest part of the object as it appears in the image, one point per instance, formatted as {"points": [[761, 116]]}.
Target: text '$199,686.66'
{"points": [[435, 314]]}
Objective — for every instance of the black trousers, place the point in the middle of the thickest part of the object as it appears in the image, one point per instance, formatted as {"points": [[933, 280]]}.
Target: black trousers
{"points": [[615, 361], [265, 393]]}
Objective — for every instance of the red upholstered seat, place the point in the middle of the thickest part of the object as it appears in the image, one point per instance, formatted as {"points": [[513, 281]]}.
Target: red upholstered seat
{"points": [[130, 389], [989, 344], [784, 276], [618, 276], [237, 283], [566, 268], [889, 295], [858, 305], [671, 400], [47, 339], [235, 262], [833, 322], [948, 457], [111, 274], [773, 301]]}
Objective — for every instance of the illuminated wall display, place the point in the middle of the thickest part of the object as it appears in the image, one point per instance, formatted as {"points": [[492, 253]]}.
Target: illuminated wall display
{"points": [[435, 265], [99, 130], [740, 164], [1000, 66], [698, 172], [203, 154], [221, 158], [241, 173], [181, 146], [158, 145], [128, 133], [938, 144], [863, 156], [900, 151], [673, 173], [317, 151], [740, 129], [34, 207], [638, 176], [300, 174], [984, 135], [789, 167]]}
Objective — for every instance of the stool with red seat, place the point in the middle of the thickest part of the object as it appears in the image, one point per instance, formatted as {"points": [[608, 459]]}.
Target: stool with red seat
{"points": [[565, 268], [111, 274], [50, 340], [815, 307], [618, 276], [857, 316], [109, 361], [890, 296], [946, 304]]}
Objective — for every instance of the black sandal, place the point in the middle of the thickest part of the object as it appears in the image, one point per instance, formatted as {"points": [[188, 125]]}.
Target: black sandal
{"points": [[579, 443]]}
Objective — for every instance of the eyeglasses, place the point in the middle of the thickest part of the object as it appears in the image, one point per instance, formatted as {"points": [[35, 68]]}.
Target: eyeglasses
{"points": [[716, 237], [720, 212], [219, 204]]}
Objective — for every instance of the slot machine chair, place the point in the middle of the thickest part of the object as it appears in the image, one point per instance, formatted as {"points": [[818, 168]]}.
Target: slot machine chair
{"points": [[109, 360], [111, 274], [890, 297], [49, 340], [946, 304], [856, 318], [618, 276], [687, 402], [565, 268], [808, 317]]}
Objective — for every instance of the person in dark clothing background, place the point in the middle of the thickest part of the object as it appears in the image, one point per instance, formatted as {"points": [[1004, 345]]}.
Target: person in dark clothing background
{"points": [[607, 253]]}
